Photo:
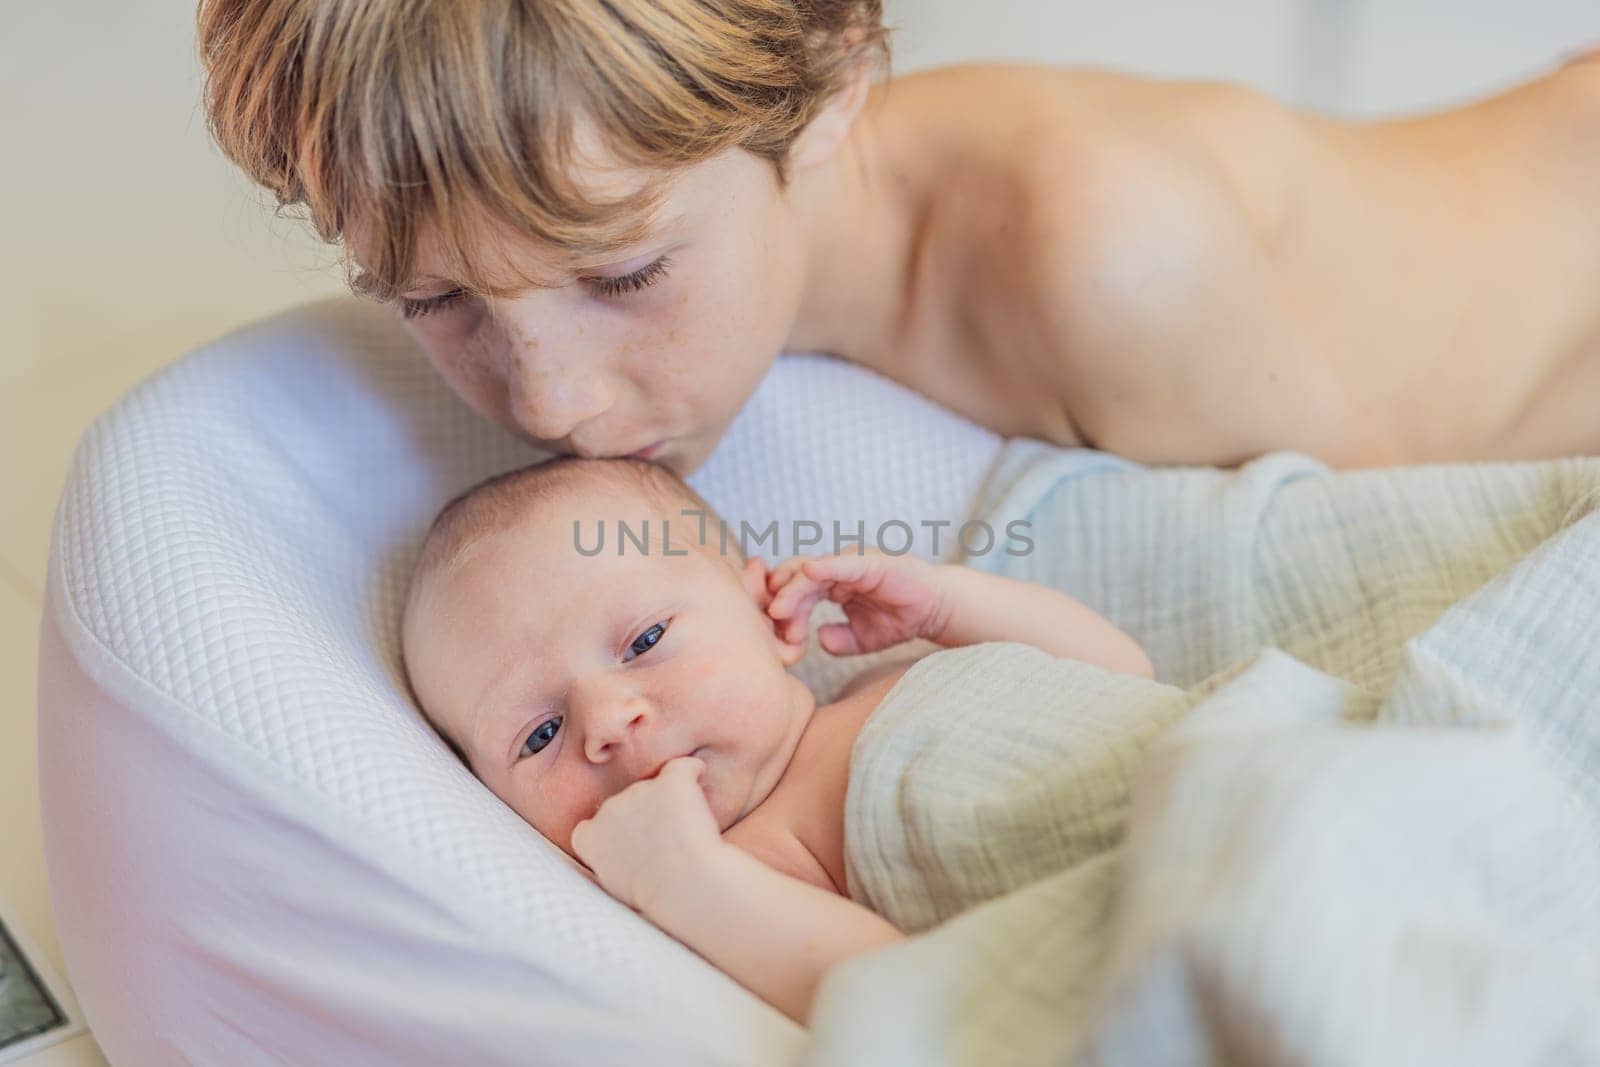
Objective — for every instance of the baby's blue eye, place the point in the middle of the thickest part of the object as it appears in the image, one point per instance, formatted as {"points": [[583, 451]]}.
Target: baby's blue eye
{"points": [[542, 735], [646, 641], [546, 731]]}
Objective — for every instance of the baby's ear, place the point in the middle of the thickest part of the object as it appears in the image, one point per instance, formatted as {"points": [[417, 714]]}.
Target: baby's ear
{"points": [[754, 577], [790, 654]]}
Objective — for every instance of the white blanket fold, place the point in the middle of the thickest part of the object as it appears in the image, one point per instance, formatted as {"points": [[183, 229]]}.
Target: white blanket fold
{"points": [[1362, 827]]}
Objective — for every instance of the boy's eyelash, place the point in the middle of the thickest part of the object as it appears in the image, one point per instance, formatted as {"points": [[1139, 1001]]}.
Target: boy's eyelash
{"points": [[631, 283], [413, 309], [628, 283]]}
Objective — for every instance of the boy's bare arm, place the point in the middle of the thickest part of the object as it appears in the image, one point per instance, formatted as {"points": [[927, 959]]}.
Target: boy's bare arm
{"points": [[776, 935]]}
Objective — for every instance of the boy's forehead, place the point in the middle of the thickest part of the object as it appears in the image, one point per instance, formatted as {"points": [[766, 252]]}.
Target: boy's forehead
{"points": [[508, 261]]}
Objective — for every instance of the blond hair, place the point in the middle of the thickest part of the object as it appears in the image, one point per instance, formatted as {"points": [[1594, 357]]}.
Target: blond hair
{"points": [[383, 118]]}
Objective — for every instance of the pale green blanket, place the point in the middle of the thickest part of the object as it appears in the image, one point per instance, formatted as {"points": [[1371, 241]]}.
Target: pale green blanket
{"points": [[987, 768], [1356, 821]]}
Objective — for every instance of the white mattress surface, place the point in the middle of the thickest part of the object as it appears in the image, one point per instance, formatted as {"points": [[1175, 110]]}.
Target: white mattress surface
{"points": [[258, 852]]}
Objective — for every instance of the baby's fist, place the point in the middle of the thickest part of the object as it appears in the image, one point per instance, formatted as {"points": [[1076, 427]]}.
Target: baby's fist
{"points": [[650, 837], [886, 600]]}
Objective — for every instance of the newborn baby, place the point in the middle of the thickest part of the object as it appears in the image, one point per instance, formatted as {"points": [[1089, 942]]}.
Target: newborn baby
{"points": [[635, 705]]}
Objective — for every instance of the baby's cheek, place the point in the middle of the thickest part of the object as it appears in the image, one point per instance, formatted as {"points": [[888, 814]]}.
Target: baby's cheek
{"points": [[547, 808]]}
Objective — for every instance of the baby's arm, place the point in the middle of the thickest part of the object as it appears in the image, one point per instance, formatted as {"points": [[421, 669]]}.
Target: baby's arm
{"points": [[891, 599], [990, 607], [655, 846], [776, 935]]}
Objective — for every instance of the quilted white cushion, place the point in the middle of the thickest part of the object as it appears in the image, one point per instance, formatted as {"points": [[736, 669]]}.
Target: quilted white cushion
{"points": [[258, 852]]}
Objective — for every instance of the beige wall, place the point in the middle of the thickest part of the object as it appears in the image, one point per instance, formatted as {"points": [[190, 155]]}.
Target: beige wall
{"points": [[127, 241]]}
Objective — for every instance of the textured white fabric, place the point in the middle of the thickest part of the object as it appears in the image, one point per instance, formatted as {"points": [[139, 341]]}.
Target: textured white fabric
{"points": [[1376, 842], [258, 852]]}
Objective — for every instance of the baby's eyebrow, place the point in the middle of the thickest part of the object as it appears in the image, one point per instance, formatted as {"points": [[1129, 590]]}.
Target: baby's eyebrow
{"points": [[495, 712]]}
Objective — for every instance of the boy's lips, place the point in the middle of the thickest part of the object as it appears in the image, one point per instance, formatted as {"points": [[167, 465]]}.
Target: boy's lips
{"points": [[570, 448]]}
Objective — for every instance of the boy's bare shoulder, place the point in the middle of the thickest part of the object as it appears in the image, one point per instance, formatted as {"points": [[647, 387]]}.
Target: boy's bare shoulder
{"points": [[1126, 237], [1070, 133]]}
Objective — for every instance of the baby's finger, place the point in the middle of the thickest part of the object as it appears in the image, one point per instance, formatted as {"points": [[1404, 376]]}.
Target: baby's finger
{"points": [[579, 837], [784, 571], [796, 625], [691, 767], [837, 639], [786, 602], [839, 568], [585, 871]]}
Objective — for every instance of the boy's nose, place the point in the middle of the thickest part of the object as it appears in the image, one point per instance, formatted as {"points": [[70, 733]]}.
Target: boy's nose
{"points": [[551, 404]]}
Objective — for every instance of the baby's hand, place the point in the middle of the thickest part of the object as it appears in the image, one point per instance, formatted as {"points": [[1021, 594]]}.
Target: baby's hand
{"points": [[647, 839], [886, 600]]}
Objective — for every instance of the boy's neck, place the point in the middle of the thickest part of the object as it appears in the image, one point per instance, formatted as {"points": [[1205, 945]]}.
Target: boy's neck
{"points": [[863, 211]]}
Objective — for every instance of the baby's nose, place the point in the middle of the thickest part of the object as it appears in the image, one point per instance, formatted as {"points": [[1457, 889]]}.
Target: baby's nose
{"points": [[613, 731]]}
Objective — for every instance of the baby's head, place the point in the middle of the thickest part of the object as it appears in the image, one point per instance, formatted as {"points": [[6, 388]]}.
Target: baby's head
{"points": [[563, 675]]}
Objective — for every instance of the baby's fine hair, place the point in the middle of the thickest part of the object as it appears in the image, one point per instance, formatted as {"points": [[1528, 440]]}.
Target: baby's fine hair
{"points": [[383, 119], [505, 499]]}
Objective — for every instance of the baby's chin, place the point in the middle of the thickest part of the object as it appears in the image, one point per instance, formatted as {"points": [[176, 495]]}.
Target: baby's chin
{"points": [[726, 808]]}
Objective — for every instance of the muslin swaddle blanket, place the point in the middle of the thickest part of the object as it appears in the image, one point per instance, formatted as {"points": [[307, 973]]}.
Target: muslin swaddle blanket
{"points": [[1357, 822], [987, 768]]}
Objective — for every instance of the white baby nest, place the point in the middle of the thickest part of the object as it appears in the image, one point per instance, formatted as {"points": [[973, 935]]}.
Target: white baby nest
{"points": [[257, 851]]}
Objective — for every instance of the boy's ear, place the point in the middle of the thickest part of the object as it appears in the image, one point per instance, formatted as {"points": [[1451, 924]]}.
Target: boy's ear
{"points": [[830, 127]]}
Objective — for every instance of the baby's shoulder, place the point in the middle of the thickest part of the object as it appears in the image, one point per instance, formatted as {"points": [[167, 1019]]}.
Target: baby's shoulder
{"points": [[799, 829], [880, 678]]}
